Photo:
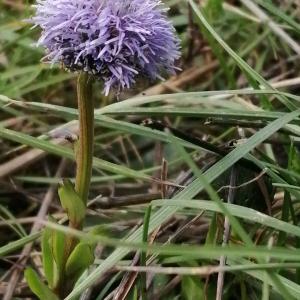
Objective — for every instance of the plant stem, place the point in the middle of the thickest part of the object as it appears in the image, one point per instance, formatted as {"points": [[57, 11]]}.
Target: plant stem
{"points": [[84, 161], [85, 148]]}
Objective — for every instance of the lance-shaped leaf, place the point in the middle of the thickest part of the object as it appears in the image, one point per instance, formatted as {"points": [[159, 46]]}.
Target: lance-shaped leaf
{"points": [[79, 260], [58, 245], [38, 287], [47, 257], [72, 203]]}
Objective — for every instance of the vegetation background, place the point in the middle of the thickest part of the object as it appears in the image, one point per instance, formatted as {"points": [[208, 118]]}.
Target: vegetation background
{"points": [[224, 130]]}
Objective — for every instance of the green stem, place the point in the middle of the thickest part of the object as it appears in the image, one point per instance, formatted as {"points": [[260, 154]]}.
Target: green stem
{"points": [[84, 161], [85, 148]]}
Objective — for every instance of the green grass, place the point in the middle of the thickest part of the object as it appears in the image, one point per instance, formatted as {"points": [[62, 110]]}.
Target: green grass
{"points": [[237, 106]]}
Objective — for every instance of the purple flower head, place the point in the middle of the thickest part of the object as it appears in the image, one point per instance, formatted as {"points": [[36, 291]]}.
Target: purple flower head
{"points": [[115, 40]]}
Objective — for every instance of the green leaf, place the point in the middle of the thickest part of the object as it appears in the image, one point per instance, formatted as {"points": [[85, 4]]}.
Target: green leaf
{"points": [[191, 288], [58, 243], [188, 193], [13, 246], [68, 153], [212, 235], [278, 12], [143, 255], [72, 203], [52, 81], [249, 71], [38, 287], [261, 115], [47, 257], [79, 260], [5, 214], [245, 213], [294, 160], [214, 8], [261, 275]]}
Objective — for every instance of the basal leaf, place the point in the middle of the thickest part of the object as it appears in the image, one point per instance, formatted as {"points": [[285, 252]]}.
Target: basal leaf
{"points": [[38, 287]]}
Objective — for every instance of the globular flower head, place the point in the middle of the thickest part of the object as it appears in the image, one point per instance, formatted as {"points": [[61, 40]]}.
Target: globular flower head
{"points": [[115, 40]]}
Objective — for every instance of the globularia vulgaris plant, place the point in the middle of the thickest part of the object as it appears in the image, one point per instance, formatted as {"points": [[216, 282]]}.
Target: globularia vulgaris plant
{"points": [[115, 42]]}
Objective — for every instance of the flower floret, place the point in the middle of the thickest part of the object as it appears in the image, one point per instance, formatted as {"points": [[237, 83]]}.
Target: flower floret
{"points": [[115, 40]]}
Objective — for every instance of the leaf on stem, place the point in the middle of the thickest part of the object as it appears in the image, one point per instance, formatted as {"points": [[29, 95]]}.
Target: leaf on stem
{"points": [[38, 287], [80, 259], [72, 203], [47, 257]]}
